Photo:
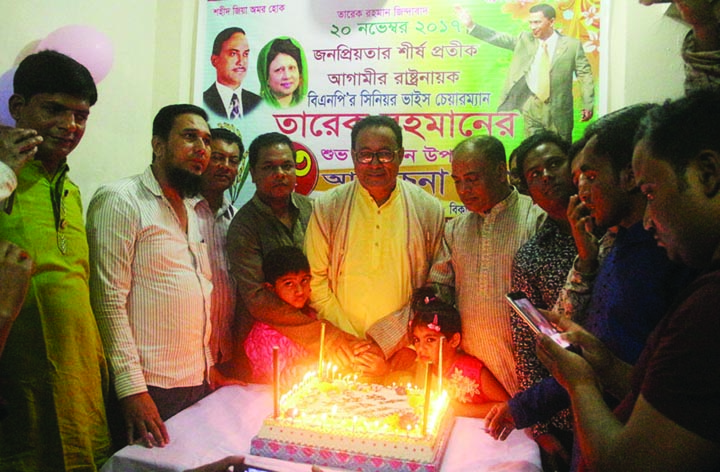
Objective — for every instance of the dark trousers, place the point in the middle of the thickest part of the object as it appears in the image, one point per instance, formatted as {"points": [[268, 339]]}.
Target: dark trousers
{"points": [[170, 401]]}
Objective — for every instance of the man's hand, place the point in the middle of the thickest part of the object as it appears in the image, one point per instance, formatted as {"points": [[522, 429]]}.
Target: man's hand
{"points": [[16, 268], [583, 229], [142, 421], [404, 359], [18, 146], [586, 115], [568, 368], [342, 351], [499, 423], [463, 17], [372, 361]]}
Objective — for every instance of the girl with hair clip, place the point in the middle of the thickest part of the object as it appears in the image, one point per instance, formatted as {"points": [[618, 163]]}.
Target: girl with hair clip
{"points": [[473, 389]]}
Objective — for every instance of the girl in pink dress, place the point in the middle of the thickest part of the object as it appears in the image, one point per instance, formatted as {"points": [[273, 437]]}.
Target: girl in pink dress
{"points": [[473, 389], [287, 273]]}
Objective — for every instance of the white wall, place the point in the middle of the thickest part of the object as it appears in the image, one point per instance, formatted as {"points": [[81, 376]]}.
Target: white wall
{"points": [[644, 54], [154, 48]]}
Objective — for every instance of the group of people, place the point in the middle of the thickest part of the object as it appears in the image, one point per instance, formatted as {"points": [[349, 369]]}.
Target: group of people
{"points": [[168, 292]]}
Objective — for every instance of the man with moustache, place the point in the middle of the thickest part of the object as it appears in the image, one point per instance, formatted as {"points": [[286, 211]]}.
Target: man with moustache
{"points": [[669, 416], [370, 243], [215, 213], [476, 257], [230, 56], [151, 278], [53, 373], [276, 216]]}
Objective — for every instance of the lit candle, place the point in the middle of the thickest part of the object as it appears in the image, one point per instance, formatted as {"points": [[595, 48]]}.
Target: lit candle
{"points": [[440, 364], [276, 381], [322, 349], [426, 406]]}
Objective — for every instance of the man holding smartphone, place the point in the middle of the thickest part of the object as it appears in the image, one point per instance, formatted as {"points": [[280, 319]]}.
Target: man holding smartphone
{"points": [[669, 416]]}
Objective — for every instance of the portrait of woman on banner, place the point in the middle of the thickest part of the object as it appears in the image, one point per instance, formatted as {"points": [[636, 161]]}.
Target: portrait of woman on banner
{"points": [[282, 71]]}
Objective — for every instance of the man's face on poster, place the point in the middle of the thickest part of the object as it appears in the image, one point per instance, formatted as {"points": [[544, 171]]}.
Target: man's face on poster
{"points": [[540, 26], [231, 63]]}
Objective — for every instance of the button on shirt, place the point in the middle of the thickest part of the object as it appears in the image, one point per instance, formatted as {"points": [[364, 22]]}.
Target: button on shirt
{"points": [[476, 258], [375, 278], [150, 286], [214, 228]]}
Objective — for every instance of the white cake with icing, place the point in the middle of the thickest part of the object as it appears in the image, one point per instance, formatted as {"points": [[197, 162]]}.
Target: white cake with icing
{"points": [[350, 424]]}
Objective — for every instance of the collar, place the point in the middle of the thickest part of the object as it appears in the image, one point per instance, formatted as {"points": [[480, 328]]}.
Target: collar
{"points": [[504, 204], [265, 208], [636, 233], [150, 182], [226, 94], [363, 192], [34, 171]]}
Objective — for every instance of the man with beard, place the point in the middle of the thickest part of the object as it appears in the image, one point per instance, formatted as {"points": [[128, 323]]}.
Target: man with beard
{"points": [[150, 277]]}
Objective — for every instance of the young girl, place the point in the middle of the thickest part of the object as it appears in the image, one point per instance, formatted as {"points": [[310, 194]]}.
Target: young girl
{"points": [[473, 389], [287, 273]]}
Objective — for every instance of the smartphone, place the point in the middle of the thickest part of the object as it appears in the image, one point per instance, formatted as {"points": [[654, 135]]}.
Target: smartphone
{"points": [[537, 322]]}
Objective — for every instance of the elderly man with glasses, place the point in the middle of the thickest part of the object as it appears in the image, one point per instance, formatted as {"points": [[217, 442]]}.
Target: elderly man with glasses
{"points": [[370, 243]]}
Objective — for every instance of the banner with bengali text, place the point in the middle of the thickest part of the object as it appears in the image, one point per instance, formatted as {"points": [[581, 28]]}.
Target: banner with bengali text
{"points": [[413, 61]]}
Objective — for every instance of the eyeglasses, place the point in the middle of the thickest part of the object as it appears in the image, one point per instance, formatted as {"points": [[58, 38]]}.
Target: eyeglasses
{"points": [[383, 156]]}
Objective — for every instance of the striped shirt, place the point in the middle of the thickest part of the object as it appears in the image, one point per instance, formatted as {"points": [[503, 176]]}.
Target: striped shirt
{"points": [[150, 286], [477, 258], [214, 228]]}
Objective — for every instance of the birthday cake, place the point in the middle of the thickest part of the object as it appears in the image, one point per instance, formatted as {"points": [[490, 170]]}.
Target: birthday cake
{"points": [[357, 426]]}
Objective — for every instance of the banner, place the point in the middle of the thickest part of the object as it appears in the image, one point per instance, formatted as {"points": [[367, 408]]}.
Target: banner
{"points": [[343, 60]]}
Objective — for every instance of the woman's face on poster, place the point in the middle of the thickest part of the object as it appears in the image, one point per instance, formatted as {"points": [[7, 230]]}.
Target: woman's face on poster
{"points": [[283, 75]]}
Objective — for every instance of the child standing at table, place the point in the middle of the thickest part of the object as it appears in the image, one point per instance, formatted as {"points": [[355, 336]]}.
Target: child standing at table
{"points": [[287, 273], [473, 389]]}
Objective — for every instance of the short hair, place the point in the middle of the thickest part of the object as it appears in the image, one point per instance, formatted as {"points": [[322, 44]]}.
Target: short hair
{"points": [[575, 149], [490, 147], [52, 72], [678, 130], [165, 118], [284, 260], [615, 133], [376, 121], [223, 36], [229, 137], [547, 11], [530, 143], [267, 140], [428, 308], [284, 46]]}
